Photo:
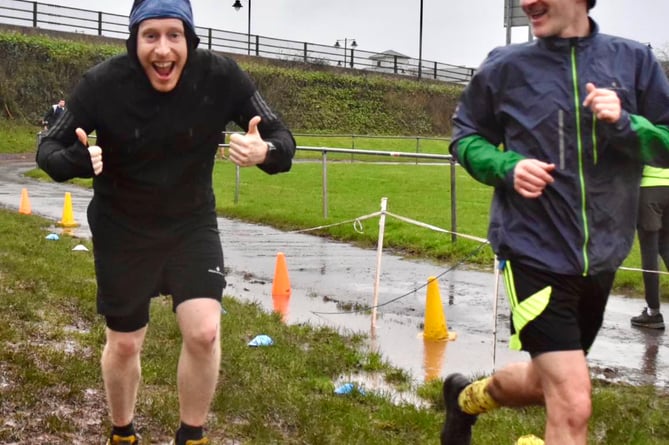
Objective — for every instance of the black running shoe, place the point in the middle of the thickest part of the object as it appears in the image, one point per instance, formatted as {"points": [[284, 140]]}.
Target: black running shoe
{"points": [[457, 428], [645, 320]]}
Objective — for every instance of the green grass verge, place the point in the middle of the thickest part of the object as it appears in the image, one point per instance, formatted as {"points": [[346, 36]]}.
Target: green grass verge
{"points": [[17, 137]]}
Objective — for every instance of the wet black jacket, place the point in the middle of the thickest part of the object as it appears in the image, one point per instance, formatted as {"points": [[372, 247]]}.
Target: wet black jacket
{"points": [[158, 149], [529, 98]]}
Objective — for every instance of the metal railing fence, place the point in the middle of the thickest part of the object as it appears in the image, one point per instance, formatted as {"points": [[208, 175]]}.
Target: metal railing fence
{"points": [[75, 20], [324, 151]]}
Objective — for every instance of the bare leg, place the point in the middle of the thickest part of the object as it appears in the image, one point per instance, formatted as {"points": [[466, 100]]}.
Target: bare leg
{"points": [[199, 362], [567, 390], [516, 385], [560, 381], [121, 372]]}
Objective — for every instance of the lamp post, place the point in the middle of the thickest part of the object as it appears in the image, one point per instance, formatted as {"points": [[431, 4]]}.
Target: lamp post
{"points": [[420, 42], [354, 45], [238, 5]]}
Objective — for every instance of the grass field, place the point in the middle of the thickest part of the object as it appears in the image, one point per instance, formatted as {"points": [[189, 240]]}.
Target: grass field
{"points": [[51, 391]]}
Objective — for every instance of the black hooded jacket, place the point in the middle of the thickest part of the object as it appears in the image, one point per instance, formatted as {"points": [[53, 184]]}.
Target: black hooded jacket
{"points": [[158, 149]]}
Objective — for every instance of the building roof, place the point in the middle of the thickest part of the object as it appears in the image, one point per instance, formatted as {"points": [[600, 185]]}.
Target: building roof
{"points": [[388, 54]]}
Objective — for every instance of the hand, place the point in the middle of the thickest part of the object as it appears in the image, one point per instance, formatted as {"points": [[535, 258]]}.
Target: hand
{"points": [[604, 103], [94, 151], [531, 176], [249, 149]]}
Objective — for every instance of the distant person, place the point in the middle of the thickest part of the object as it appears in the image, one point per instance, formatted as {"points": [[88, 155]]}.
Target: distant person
{"points": [[561, 128], [653, 233], [54, 113], [158, 112]]}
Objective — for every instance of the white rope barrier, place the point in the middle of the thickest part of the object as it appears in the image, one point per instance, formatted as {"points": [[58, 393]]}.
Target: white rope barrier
{"points": [[634, 269], [437, 229], [356, 224]]}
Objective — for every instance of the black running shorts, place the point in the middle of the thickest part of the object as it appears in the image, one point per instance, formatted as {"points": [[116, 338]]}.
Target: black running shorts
{"points": [[185, 266], [552, 312]]}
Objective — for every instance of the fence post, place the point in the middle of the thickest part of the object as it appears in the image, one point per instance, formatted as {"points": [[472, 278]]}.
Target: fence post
{"points": [[237, 181], [454, 225], [99, 23], [209, 37], [379, 253], [34, 14], [325, 183], [306, 52], [417, 147]]}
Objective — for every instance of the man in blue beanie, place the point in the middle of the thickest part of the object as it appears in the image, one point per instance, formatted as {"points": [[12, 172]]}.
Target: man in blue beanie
{"points": [[158, 113]]}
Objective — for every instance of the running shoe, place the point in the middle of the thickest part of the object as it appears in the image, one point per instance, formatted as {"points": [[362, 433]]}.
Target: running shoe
{"points": [[457, 428], [645, 320]]}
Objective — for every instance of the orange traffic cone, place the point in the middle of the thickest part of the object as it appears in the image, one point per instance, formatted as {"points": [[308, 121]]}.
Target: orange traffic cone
{"points": [[281, 283], [24, 204], [435, 327], [281, 286], [67, 220]]}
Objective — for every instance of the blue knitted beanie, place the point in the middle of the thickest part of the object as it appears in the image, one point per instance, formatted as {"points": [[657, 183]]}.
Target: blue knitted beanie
{"points": [[154, 9]]}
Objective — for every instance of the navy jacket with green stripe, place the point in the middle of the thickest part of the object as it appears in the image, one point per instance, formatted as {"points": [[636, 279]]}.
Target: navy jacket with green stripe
{"points": [[526, 101]]}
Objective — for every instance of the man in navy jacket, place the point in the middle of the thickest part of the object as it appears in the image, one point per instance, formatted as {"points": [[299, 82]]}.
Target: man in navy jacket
{"points": [[561, 128]]}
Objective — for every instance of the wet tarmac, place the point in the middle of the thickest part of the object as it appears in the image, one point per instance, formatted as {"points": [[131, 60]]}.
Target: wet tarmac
{"points": [[330, 280]]}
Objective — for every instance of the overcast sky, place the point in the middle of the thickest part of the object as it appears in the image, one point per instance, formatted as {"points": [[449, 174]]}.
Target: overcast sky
{"points": [[456, 32]]}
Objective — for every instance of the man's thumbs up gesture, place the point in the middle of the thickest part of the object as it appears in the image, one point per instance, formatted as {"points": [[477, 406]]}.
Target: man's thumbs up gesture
{"points": [[94, 151], [249, 149]]}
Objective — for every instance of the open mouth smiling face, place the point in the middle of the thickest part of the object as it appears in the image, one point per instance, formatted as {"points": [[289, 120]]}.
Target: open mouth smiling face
{"points": [[535, 11], [162, 51], [562, 18]]}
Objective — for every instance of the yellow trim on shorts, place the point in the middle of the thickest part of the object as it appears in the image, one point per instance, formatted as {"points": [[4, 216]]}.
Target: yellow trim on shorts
{"points": [[525, 312]]}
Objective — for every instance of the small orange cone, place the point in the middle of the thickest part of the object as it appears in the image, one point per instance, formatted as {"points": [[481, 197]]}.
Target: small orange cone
{"points": [[435, 327], [68, 216], [24, 204], [281, 283], [281, 287]]}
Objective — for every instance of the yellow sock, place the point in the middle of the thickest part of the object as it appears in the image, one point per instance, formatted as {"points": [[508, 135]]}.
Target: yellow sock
{"points": [[475, 399], [529, 439]]}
